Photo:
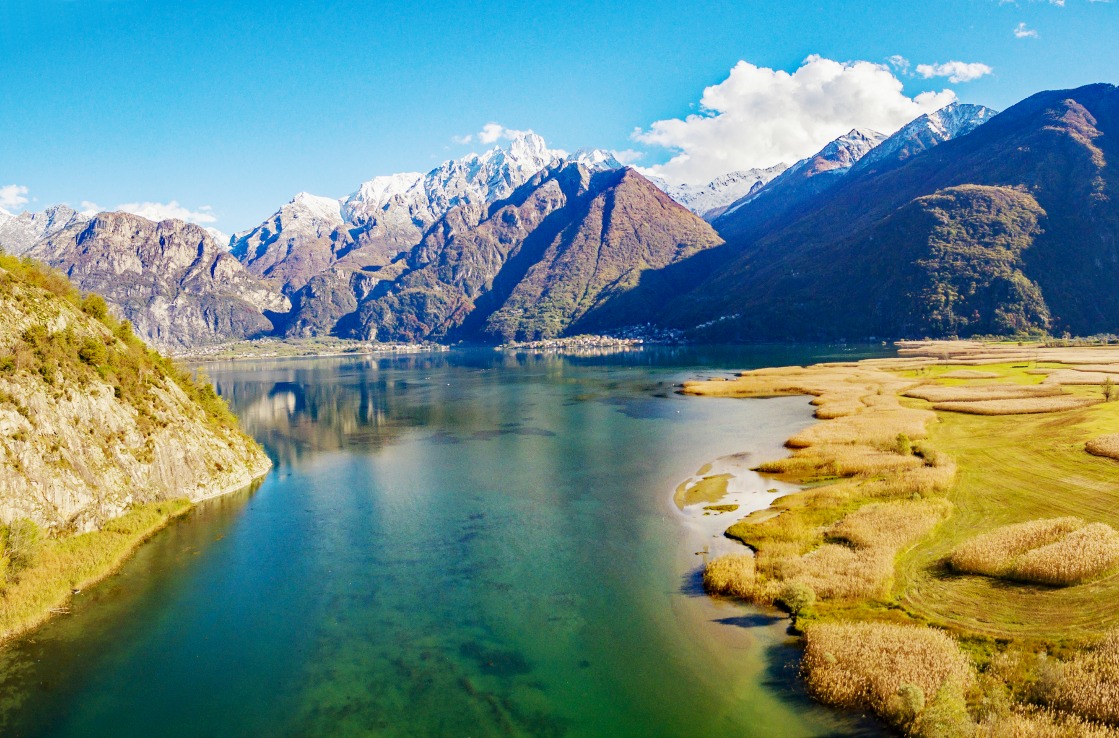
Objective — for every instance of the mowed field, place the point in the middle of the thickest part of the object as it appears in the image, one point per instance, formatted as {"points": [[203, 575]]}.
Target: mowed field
{"points": [[1014, 469]]}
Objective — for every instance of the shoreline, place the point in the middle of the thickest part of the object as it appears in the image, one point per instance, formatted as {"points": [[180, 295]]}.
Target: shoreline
{"points": [[882, 504], [42, 611]]}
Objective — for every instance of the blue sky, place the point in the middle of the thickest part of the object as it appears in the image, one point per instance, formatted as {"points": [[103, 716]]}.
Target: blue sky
{"points": [[235, 106]]}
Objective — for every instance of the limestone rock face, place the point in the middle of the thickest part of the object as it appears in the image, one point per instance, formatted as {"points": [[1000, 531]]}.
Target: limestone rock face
{"points": [[171, 279], [18, 233], [83, 438]]}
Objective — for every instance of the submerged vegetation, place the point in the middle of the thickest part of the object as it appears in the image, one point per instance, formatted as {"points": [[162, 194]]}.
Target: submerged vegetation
{"points": [[958, 542]]}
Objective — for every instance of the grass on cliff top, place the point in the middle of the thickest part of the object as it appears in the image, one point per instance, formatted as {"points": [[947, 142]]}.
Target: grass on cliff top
{"points": [[122, 360], [61, 565]]}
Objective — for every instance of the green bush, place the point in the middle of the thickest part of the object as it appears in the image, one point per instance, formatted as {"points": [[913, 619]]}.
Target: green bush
{"points": [[20, 545]]}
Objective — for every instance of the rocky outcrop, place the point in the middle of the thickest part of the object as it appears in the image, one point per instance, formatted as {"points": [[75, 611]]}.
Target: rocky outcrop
{"points": [[535, 264], [18, 233], [176, 285], [91, 421]]}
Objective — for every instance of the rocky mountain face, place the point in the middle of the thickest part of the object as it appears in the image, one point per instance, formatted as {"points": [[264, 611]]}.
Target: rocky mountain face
{"points": [[18, 233], [536, 264], [170, 279], [91, 421], [388, 215], [1014, 225]]}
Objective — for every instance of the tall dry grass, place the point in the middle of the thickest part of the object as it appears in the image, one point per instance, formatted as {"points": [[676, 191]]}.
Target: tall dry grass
{"points": [[732, 575], [1104, 446], [994, 554], [1025, 406], [970, 393], [1088, 685], [1038, 722], [1058, 552], [865, 665], [1082, 555]]}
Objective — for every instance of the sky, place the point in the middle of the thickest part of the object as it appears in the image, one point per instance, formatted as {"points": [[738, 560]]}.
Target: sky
{"points": [[219, 112]]}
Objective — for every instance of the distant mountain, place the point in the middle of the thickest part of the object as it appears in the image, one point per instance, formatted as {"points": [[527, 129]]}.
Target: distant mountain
{"points": [[535, 264], [177, 286], [929, 130], [388, 215], [800, 183], [708, 201], [1012, 226], [18, 233]]}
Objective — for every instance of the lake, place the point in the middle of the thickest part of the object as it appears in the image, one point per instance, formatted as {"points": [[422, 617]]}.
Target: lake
{"points": [[467, 543]]}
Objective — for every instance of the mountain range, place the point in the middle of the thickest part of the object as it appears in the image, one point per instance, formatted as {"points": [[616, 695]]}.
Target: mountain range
{"points": [[961, 222]]}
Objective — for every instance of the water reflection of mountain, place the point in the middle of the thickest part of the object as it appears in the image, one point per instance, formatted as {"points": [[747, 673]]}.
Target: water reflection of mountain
{"points": [[298, 407]]}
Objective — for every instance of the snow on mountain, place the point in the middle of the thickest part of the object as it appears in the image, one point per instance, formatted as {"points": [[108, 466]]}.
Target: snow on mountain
{"points": [[816, 173], [18, 233], [477, 178], [710, 200], [222, 238], [389, 214], [932, 129]]}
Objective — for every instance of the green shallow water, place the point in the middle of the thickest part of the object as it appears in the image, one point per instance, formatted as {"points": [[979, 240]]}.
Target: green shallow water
{"points": [[463, 544]]}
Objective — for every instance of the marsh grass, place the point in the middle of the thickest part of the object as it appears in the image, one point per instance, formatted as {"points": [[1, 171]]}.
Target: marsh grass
{"points": [[875, 666], [969, 374], [969, 393], [731, 575], [1107, 446], [1088, 684], [75, 562], [995, 554], [1024, 406]]}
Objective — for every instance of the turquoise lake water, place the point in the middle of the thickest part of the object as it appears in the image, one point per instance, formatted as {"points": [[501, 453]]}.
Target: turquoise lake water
{"points": [[456, 544]]}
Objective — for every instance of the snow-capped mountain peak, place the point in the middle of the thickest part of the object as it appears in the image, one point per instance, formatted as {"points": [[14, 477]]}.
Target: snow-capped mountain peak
{"points": [[928, 130], [709, 200]]}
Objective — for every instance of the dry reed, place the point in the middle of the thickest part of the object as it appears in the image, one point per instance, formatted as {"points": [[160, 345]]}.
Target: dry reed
{"points": [[1104, 446], [1025, 406], [969, 393], [732, 574], [1058, 552], [1088, 685], [864, 665], [994, 554], [1082, 555]]}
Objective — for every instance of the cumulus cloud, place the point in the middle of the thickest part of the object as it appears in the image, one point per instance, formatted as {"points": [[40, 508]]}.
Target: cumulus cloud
{"points": [[163, 210], [13, 196], [955, 71], [628, 156], [491, 133], [759, 117], [1024, 31]]}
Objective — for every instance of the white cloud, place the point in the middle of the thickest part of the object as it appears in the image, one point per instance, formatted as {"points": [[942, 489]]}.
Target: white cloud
{"points": [[463, 140], [628, 156], [163, 210], [1023, 31], [759, 117], [91, 208], [900, 63], [955, 71], [13, 196]]}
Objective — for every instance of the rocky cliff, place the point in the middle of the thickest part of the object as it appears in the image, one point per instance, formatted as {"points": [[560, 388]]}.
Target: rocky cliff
{"points": [[176, 285], [92, 421]]}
